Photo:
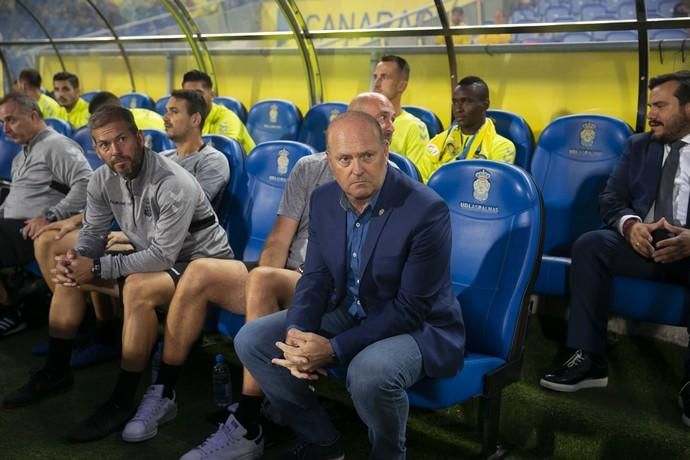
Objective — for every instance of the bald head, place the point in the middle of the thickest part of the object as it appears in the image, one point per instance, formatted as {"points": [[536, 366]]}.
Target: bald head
{"points": [[379, 107]]}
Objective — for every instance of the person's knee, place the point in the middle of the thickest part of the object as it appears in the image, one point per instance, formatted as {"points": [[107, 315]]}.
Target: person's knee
{"points": [[591, 243], [44, 244], [368, 380], [136, 294]]}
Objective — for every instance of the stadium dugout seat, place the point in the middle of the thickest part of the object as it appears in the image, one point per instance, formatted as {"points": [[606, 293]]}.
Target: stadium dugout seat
{"points": [[273, 120], [577, 5], [513, 127], [316, 121], [572, 161], [405, 165], [669, 34], [621, 36], [432, 122], [576, 37], [160, 104], [157, 140], [8, 150], [82, 136], [93, 159], [627, 10], [612, 6], [554, 13], [268, 167], [59, 125], [590, 11], [137, 100], [497, 225], [523, 14], [87, 96], [665, 8], [233, 104]]}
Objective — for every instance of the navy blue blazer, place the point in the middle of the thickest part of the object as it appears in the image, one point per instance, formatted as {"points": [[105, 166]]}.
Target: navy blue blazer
{"points": [[405, 282], [632, 187]]}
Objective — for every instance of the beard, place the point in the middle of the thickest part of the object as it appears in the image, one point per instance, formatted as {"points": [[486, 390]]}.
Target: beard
{"points": [[674, 129]]}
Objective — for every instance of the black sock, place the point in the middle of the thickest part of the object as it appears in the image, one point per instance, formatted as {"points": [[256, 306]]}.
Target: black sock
{"points": [[167, 376], [59, 355], [247, 414], [125, 388], [106, 332]]}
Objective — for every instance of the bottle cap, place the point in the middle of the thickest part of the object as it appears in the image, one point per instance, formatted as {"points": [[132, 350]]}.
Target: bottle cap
{"points": [[220, 358]]}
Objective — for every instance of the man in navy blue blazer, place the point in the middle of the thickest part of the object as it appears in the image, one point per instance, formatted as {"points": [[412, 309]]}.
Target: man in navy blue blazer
{"points": [[645, 206], [375, 297]]}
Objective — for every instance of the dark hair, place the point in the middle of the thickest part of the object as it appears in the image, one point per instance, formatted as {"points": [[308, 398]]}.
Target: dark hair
{"points": [[32, 77], [24, 103], [682, 77], [195, 103], [363, 116], [478, 83], [403, 66], [197, 75], [101, 99], [70, 77], [111, 113]]}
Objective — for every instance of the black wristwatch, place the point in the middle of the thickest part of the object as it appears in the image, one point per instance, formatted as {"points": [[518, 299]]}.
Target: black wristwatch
{"points": [[50, 216], [96, 268]]}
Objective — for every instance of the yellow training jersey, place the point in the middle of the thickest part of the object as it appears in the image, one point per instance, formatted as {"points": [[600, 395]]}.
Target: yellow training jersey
{"points": [[410, 137], [221, 120], [78, 116], [49, 106], [147, 119]]}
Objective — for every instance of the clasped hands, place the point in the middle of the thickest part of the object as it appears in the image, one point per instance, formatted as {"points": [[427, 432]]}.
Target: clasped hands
{"points": [[305, 354], [72, 270], [671, 249]]}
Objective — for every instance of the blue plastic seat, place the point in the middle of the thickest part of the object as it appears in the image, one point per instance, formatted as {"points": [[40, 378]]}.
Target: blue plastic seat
{"points": [[8, 150], [137, 100], [665, 8], [273, 120], [233, 104], [161, 104], [590, 11], [93, 159], [82, 136], [268, 167], [513, 127], [572, 161], [432, 122], [497, 224], [669, 34], [576, 37], [59, 125], [157, 140], [621, 36], [405, 165], [316, 121], [87, 96], [553, 13], [627, 10]]}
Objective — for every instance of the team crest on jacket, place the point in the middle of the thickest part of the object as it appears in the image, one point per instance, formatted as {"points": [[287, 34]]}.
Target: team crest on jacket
{"points": [[588, 134], [147, 207], [283, 161], [481, 185]]}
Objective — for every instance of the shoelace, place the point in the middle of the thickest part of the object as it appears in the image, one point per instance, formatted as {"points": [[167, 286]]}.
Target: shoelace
{"points": [[574, 360], [298, 450], [220, 438], [148, 407]]}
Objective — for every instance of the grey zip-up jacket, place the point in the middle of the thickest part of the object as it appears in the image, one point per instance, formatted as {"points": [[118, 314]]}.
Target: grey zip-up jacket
{"points": [[164, 213], [49, 176]]}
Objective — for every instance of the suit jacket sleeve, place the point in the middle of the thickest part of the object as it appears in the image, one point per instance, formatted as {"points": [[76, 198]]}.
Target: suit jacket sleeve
{"points": [[616, 200], [424, 276]]}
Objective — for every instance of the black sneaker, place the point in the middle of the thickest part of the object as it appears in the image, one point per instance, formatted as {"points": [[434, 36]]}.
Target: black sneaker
{"points": [[306, 451], [581, 370], [684, 402], [108, 418], [40, 385], [11, 320]]}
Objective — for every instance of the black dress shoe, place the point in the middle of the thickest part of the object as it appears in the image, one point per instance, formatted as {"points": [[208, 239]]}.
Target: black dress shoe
{"points": [[108, 418], [581, 370], [684, 402], [40, 385]]}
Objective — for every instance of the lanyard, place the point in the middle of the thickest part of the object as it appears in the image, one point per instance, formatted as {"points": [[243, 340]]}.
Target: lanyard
{"points": [[466, 148]]}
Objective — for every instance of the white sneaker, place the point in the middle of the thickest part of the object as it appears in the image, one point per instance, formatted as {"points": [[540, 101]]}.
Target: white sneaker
{"points": [[153, 411], [228, 443]]}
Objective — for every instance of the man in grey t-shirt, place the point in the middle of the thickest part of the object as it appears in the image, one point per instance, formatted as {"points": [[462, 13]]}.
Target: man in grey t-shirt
{"points": [[271, 285]]}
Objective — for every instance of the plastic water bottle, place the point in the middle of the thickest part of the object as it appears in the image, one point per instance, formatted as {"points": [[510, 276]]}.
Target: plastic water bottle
{"points": [[222, 389], [156, 361]]}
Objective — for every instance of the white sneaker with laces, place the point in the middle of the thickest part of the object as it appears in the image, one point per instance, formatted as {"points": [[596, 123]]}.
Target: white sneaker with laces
{"points": [[228, 443], [153, 411]]}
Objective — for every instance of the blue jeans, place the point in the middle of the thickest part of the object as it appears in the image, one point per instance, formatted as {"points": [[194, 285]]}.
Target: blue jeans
{"points": [[377, 378]]}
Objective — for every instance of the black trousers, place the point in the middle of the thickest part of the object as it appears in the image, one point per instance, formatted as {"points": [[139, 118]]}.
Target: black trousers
{"points": [[14, 250]]}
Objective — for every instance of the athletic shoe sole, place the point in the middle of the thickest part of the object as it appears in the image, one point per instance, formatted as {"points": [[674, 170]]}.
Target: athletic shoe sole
{"points": [[587, 383], [151, 434], [18, 328]]}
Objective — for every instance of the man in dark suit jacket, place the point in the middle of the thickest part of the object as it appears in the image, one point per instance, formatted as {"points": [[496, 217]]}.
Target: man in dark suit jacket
{"points": [[375, 297], [645, 205]]}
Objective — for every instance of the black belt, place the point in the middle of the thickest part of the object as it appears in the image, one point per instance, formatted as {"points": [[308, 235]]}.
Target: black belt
{"points": [[206, 222]]}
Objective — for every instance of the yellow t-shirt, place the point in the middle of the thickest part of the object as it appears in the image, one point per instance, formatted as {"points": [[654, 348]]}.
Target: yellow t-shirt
{"points": [[410, 136], [221, 120], [457, 39], [147, 119], [496, 39], [78, 116], [49, 106], [452, 144]]}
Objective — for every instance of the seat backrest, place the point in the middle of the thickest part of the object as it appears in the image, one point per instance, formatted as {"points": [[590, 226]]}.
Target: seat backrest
{"points": [[160, 104], [268, 167], [627, 10], [573, 159], [140, 100], [590, 11], [405, 165], [669, 34], [157, 140], [496, 220], [514, 128], [621, 36], [230, 210], [576, 37], [665, 8], [553, 13], [8, 150], [93, 159], [87, 96], [273, 120], [233, 104], [316, 121], [82, 136], [59, 125], [432, 122]]}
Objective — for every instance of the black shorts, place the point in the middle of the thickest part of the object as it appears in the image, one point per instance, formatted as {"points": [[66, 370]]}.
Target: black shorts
{"points": [[175, 273]]}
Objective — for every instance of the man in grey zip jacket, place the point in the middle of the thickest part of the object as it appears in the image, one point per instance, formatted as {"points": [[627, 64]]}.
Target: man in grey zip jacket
{"points": [[49, 178], [168, 219]]}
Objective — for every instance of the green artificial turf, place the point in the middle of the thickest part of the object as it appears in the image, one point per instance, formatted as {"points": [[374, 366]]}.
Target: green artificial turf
{"points": [[636, 417]]}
